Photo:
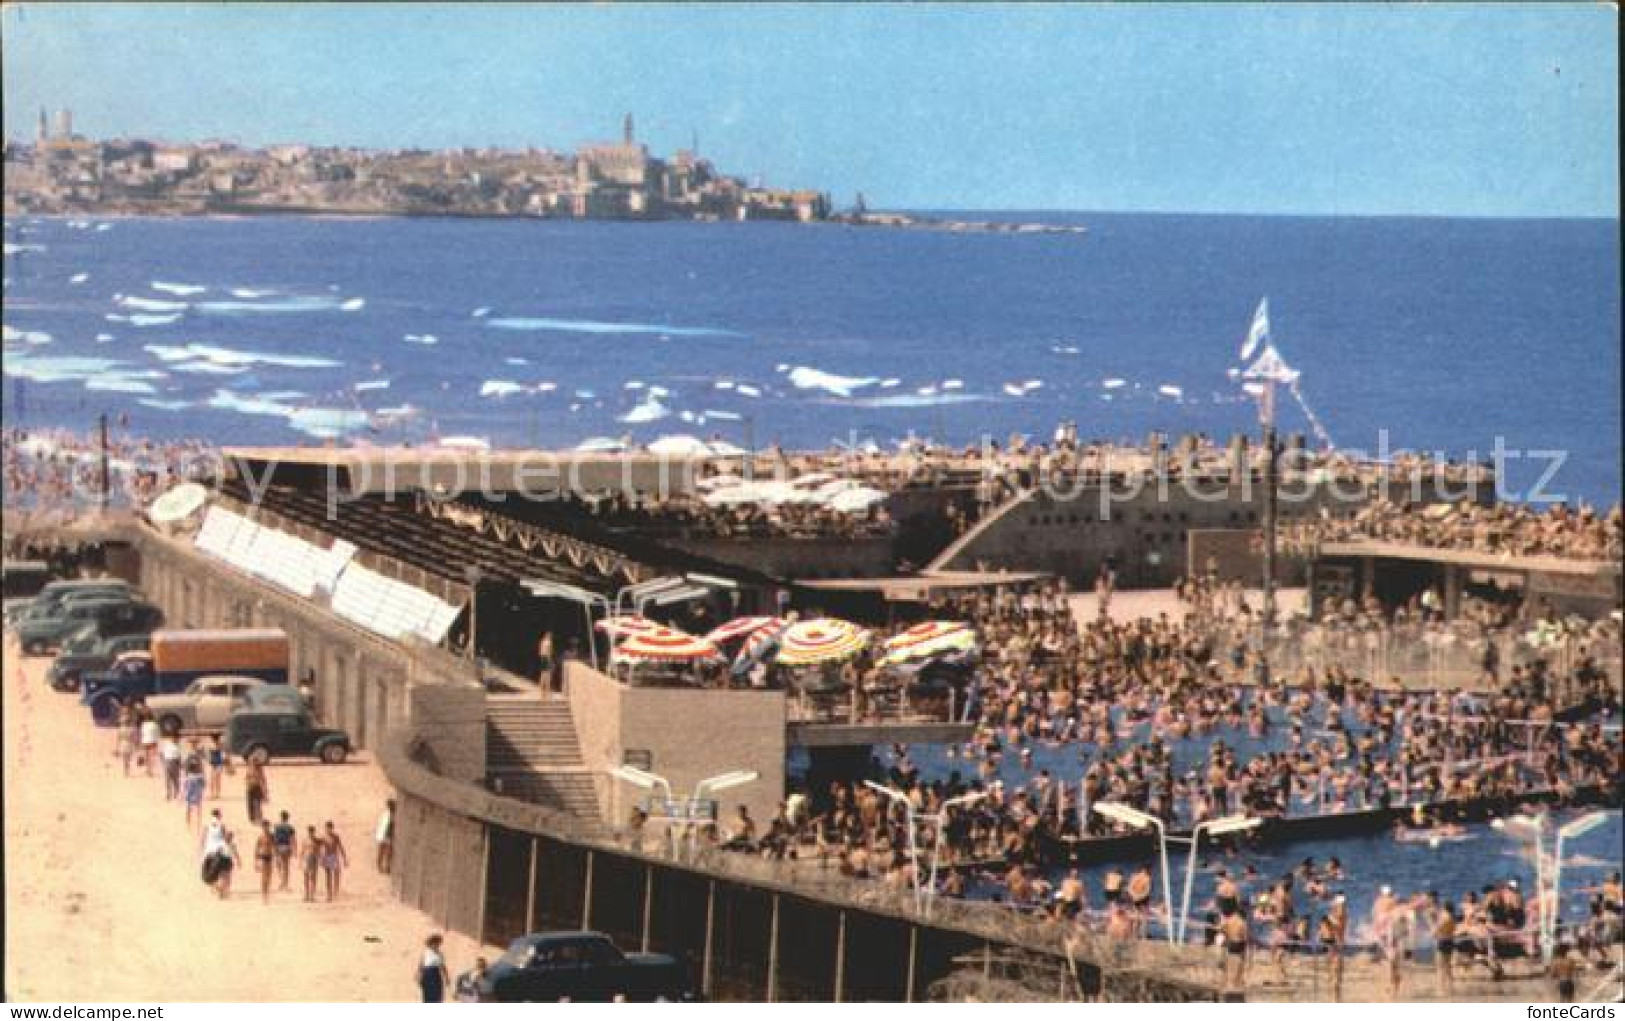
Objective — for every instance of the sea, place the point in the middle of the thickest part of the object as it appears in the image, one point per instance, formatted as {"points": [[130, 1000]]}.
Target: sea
{"points": [[1447, 335]]}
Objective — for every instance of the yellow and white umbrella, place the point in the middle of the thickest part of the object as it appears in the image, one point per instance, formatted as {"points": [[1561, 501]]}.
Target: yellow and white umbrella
{"points": [[827, 640]]}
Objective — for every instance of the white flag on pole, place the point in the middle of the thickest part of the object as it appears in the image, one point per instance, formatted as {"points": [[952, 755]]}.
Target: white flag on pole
{"points": [[1259, 332]]}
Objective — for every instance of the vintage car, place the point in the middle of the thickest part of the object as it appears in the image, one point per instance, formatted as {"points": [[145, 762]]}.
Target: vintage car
{"points": [[581, 967]]}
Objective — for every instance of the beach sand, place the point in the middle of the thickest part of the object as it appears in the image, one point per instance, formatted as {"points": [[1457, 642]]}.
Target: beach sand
{"points": [[103, 897]]}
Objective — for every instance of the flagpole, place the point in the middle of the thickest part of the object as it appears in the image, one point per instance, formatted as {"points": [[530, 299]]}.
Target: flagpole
{"points": [[1270, 449]]}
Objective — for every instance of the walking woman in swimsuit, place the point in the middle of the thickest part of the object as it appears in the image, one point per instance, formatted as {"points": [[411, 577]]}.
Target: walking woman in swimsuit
{"points": [[334, 859], [264, 857], [315, 847]]}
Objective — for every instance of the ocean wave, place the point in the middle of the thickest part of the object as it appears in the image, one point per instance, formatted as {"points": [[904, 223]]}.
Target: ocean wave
{"points": [[279, 306], [650, 410], [723, 416], [230, 356], [499, 388], [372, 384], [119, 382], [803, 377], [12, 248], [250, 293], [598, 327], [163, 405], [78, 278], [184, 290], [104, 338], [746, 390], [421, 338], [57, 369], [914, 400], [35, 337], [151, 304], [149, 319]]}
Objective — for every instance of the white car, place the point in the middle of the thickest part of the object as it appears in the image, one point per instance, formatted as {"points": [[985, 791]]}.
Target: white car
{"points": [[205, 705]]}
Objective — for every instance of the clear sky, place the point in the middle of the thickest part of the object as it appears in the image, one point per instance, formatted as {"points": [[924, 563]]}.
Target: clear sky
{"points": [[1498, 110]]}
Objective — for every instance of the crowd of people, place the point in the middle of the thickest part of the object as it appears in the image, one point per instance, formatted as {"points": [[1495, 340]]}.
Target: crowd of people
{"points": [[688, 516], [192, 771], [1168, 717], [1503, 529], [56, 474]]}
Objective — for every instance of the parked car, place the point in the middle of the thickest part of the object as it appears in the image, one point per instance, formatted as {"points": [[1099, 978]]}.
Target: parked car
{"points": [[52, 595], [548, 967], [205, 706], [21, 581], [88, 651], [260, 732], [112, 615]]}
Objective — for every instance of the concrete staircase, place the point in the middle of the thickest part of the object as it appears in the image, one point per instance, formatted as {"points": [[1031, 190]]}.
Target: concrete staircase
{"points": [[532, 754], [944, 561]]}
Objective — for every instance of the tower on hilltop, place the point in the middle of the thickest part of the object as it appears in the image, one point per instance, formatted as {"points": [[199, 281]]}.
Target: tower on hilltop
{"points": [[626, 130], [44, 131]]}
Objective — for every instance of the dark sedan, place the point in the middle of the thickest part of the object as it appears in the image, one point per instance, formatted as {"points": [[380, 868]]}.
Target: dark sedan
{"points": [[583, 967]]}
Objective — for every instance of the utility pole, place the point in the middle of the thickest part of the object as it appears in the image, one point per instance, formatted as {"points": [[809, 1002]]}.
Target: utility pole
{"points": [[106, 477], [1270, 473]]}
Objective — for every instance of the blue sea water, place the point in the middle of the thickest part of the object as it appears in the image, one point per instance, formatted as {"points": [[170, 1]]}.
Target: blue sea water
{"points": [[1444, 333]]}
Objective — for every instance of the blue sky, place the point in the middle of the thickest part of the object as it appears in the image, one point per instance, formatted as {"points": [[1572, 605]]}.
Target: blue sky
{"points": [[1437, 110]]}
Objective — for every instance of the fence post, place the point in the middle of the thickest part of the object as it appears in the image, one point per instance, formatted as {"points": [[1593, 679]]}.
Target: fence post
{"points": [[840, 956], [586, 900], [648, 902], [710, 932], [913, 959], [773, 953], [530, 889]]}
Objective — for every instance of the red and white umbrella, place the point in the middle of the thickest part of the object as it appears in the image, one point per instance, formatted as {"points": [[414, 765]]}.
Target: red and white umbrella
{"points": [[627, 624], [741, 627], [924, 633], [827, 640], [666, 645]]}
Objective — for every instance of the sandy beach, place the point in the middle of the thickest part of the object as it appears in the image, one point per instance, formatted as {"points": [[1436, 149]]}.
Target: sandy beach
{"points": [[103, 897]]}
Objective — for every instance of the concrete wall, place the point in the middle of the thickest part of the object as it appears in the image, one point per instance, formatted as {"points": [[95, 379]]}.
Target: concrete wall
{"points": [[495, 868], [689, 735], [450, 722], [362, 681], [1072, 529], [1237, 558]]}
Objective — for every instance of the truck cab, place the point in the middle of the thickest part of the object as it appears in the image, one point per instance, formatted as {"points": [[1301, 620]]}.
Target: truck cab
{"points": [[111, 614]]}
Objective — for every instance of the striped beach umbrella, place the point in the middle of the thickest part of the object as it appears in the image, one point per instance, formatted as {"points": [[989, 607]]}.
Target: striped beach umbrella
{"points": [[762, 643], [958, 640], [926, 632], [741, 627], [827, 640], [627, 624], [666, 645]]}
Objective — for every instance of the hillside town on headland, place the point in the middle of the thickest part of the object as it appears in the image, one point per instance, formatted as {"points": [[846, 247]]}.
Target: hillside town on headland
{"points": [[66, 172]]}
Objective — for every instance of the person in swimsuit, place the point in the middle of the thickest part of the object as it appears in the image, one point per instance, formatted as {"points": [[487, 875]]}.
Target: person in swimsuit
{"points": [[431, 974], [217, 766], [286, 837], [192, 784], [334, 859], [1233, 929], [1444, 949], [257, 789], [265, 859], [226, 860], [314, 849]]}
